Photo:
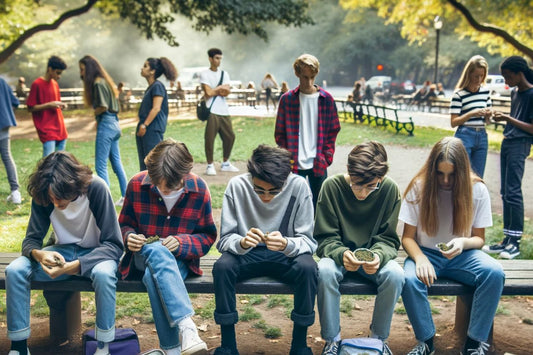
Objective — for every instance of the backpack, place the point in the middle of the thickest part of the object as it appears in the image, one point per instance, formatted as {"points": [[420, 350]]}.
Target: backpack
{"points": [[361, 346], [126, 342]]}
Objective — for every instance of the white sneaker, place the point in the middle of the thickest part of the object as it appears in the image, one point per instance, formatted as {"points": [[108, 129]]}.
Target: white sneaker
{"points": [[191, 344], [15, 197], [227, 166], [15, 352], [120, 202], [210, 170]]}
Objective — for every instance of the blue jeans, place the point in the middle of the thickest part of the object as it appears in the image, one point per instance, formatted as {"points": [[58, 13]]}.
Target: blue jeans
{"points": [[22, 271], [52, 146], [513, 155], [163, 278], [390, 280], [477, 145], [9, 163], [106, 146], [472, 267]]}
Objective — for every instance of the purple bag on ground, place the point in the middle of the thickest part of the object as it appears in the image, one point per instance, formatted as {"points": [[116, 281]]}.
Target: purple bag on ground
{"points": [[361, 346], [126, 342]]}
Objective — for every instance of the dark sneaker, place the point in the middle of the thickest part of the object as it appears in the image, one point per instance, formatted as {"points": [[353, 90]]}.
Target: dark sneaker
{"points": [[511, 251], [301, 351], [225, 351], [421, 349], [482, 349], [496, 248], [331, 348]]}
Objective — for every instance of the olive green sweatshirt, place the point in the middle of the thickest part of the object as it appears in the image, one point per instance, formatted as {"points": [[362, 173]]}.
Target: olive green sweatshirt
{"points": [[343, 222]]}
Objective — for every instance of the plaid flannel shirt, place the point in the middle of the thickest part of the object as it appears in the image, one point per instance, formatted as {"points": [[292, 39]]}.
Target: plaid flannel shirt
{"points": [[288, 128], [190, 221]]}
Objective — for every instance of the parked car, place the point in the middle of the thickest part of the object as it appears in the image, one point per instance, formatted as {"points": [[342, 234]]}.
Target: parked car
{"points": [[379, 83], [497, 86], [402, 87]]}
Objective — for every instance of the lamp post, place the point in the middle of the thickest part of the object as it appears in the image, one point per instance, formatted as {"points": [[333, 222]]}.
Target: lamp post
{"points": [[437, 23]]}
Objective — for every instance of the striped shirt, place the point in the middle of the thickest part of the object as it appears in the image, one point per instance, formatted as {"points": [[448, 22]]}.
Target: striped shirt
{"points": [[190, 221], [464, 101]]}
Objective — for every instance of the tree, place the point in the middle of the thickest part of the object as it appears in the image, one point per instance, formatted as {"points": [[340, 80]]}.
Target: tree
{"points": [[21, 19], [502, 27]]}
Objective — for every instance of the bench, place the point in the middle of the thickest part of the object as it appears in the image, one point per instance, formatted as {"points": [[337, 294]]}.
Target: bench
{"points": [[379, 115], [441, 104], [65, 312]]}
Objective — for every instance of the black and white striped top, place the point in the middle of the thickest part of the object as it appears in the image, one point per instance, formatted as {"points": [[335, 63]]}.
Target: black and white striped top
{"points": [[464, 101]]}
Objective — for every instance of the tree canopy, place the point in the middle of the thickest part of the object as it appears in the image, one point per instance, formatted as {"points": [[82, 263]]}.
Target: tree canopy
{"points": [[21, 19], [503, 27]]}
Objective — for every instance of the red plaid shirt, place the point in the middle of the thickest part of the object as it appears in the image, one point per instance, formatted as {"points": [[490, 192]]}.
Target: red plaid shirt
{"points": [[190, 221], [288, 128]]}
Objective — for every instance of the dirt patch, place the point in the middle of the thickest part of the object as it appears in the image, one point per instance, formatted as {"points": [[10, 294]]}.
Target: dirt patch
{"points": [[511, 330]]}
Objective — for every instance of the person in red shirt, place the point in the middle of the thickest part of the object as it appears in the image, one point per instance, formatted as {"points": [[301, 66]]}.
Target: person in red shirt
{"points": [[44, 103]]}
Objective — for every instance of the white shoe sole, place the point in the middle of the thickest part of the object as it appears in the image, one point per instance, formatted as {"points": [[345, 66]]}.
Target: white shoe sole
{"points": [[197, 349]]}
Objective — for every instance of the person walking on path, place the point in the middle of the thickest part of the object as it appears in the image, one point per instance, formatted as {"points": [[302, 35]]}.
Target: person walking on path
{"points": [[268, 83], [446, 208], [307, 124], [153, 112], [8, 101], [266, 230], [44, 103], [78, 205], [358, 209], [516, 147], [470, 111], [215, 85], [165, 254], [101, 95]]}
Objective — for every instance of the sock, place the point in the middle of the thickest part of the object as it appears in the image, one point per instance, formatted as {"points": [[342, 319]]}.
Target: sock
{"points": [[299, 337], [228, 336], [429, 343], [470, 344], [21, 346], [173, 351]]}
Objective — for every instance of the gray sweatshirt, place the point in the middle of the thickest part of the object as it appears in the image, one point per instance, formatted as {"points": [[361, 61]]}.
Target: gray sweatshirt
{"points": [[242, 209]]}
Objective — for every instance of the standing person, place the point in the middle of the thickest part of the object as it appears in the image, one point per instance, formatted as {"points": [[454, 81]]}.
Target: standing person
{"points": [[153, 113], [516, 146], [445, 203], [168, 191], [268, 84], [284, 88], [358, 210], [8, 101], [101, 95], [307, 124], [215, 85], [266, 230], [470, 111], [79, 206], [356, 92], [21, 88], [44, 103]]}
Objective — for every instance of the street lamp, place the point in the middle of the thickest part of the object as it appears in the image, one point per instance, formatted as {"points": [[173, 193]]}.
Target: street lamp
{"points": [[437, 23]]}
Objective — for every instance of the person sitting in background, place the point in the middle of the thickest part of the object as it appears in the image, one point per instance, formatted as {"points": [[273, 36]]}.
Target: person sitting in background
{"points": [[440, 90], [20, 89], [165, 254]]}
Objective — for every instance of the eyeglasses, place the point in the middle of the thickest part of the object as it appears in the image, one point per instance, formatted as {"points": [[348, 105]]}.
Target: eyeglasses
{"points": [[359, 188], [272, 192]]}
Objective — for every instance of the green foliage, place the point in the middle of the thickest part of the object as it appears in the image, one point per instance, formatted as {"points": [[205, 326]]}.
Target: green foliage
{"points": [[260, 325], [279, 300], [207, 310], [249, 313], [273, 332]]}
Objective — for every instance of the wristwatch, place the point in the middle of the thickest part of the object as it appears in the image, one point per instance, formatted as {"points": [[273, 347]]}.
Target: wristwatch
{"points": [[143, 125]]}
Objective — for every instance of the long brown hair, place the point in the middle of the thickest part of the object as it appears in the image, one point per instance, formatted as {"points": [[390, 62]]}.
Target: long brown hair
{"points": [[425, 185], [94, 70]]}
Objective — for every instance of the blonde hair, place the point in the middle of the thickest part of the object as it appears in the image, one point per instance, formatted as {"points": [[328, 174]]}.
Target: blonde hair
{"points": [[425, 185], [306, 61], [473, 63]]}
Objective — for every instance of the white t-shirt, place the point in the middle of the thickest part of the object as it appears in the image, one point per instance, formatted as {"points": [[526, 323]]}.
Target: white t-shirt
{"points": [[307, 140], [171, 199], [409, 213], [76, 224], [211, 78]]}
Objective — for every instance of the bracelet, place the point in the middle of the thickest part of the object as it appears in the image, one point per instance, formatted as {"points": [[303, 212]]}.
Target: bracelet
{"points": [[143, 125]]}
